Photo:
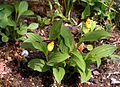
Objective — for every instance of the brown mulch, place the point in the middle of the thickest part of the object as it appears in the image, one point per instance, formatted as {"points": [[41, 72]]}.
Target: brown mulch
{"points": [[15, 73]]}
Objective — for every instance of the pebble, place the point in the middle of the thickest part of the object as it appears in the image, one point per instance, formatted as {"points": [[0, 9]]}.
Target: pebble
{"points": [[114, 81], [20, 81], [108, 75], [117, 60], [104, 78], [25, 53], [89, 83], [33, 83], [101, 85], [12, 79], [96, 72], [9, 58], [108, 84]]}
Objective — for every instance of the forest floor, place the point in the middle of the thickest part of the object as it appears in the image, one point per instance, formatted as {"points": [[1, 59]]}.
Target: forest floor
{"points": [[15, 73]]}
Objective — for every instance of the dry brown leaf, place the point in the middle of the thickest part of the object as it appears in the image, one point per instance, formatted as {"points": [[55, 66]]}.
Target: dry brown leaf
{"points": [[81, 47]]}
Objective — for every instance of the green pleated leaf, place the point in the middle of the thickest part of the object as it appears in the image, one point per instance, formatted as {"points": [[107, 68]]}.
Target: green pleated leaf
{"points": [[86, 12], [85, 76], [93, 25], [23, 6], [5, 38], [98, 61], [63, 47], [101, 51], [95, 35], [72, 63], [55, 30], [8, 9], [78, 59], [28, 12], [56, 58], [85, 30], [2, 6], [36, 64], [16, 5], [33, 26], [31, 37], [22, 30], [41, 46], [58, 74], [27, 45], [68, 39], [11, 22], [4, 21]]}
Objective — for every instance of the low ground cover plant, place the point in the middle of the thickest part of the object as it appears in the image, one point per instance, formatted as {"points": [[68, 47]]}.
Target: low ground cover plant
{"points": [[61, 52], [11, 28], [61, 49]]}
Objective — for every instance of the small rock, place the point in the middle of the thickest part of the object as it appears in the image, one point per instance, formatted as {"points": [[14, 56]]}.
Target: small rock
{"points": [[25, 53], [117, 60], [33, 84], [96, 72], [101, 85], [116, 72], [109, 75], [9, 58], [12, 79], [114, 81], [104, 78]]}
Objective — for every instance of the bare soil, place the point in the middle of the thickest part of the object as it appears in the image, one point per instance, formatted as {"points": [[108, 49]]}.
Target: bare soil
{"points": [[15, 73]]}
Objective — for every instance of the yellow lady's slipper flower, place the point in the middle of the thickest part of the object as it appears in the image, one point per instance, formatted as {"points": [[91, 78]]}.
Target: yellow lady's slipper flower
{"points": [[88, 23], [50, 46]]}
